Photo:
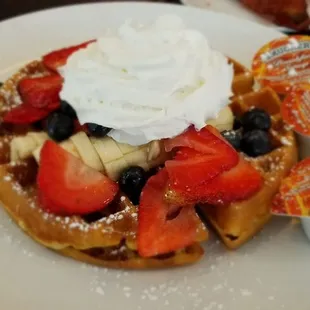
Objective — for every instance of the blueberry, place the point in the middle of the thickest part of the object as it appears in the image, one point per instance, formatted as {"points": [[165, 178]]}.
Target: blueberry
{"points": [[237, 124], [233, 137], [59, 126], [132, 181], [255, 143], [97, 130], [256, 119], [67, 109]]}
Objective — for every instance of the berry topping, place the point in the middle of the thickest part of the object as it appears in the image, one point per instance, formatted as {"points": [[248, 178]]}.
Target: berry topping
{"points": [[255, 143], [201, 156], [67, 186], [58, 58], [256, 119], [237, 124], [239, 183], [233, 137], [41, 92], [25, 114], [66, 109], [164, 228], [59, 126], [131, 182], [97, 130]]}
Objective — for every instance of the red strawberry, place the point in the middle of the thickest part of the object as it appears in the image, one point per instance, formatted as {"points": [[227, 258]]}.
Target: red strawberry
{"points": [[58, 58], [157, 232], [239, 183], [25, 114], [41, 92], [67, 186], [201, 157], [207, 140]]}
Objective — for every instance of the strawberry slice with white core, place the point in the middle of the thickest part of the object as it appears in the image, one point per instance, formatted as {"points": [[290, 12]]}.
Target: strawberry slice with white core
{"points": [[239, 183], [67, 186], [201, 156], [164, 228]]}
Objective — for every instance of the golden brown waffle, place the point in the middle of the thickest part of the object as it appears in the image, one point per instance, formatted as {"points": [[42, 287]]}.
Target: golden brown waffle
{"points": [[108, 240], [243, 79], [238, 222]]}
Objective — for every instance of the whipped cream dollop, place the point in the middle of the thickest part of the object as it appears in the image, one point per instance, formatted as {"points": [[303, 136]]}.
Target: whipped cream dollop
{"points": [[148, 82]]}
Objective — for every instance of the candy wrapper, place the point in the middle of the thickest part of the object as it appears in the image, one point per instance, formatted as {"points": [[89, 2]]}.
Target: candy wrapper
{"points": [[293, 198], [283, 63], [295, 110]]}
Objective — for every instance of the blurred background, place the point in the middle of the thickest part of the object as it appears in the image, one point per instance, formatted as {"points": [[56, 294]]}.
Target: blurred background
{"points": [[10, 8], [289, 13]]}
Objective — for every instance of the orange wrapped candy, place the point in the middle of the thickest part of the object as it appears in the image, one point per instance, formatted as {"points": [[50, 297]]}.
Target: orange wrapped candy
{"points": [[283, 63], [293, 198]]}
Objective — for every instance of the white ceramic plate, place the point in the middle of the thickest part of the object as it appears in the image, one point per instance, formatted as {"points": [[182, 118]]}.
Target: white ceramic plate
{"points": [[271, 272]]}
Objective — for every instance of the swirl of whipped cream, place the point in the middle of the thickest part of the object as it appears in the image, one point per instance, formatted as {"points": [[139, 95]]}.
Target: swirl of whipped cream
{"points": [[148, 83]]}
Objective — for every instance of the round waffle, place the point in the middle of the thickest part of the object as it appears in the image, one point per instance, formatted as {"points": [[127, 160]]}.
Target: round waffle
{"points": [[109, 239]]}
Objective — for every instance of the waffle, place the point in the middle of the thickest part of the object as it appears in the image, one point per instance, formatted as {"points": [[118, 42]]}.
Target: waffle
{"points": [[243, 79], [106, 239], [238, 222]]}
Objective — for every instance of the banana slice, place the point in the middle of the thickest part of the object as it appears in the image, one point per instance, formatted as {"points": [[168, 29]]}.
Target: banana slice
{"points": [[69, 146], [86, 151], [102, 154], [137, 158], [39, 137], [107, 149], [114, 168], [224, 121], [154, 150], [126, 148], [22, 147], [37, 152]]}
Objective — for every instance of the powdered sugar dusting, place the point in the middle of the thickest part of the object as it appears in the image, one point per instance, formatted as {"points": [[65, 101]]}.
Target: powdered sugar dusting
{"points": [[285, 141]]}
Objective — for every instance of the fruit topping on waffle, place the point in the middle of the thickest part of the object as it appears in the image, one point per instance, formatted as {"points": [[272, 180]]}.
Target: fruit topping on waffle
{"points": [[122, 147], [67, 186], [57, 59]]}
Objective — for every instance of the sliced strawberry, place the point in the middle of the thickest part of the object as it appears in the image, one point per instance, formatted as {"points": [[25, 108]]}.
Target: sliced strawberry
{"points": [[207, 140], [201, 156], [58, 58], [163, 228], [67, 186], [25, 114], [239, 183], [186, 153], [40, 92]]}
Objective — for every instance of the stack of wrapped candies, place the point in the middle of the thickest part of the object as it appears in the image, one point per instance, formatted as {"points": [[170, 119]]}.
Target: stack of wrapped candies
{"points": [[284, 65]]}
